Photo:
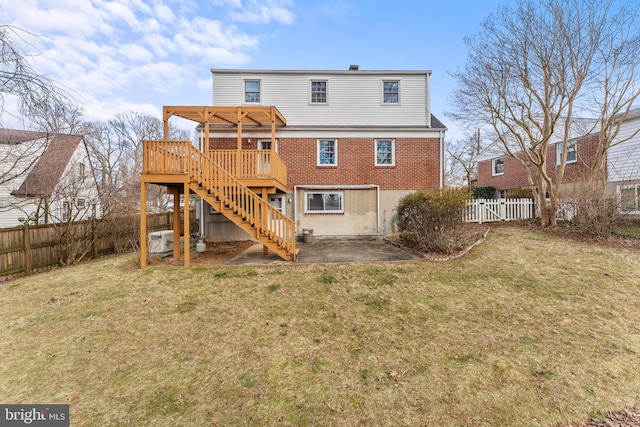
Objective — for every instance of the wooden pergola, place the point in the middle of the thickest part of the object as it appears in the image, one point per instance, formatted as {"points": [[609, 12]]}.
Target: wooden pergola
{"points": [[226, 116]]}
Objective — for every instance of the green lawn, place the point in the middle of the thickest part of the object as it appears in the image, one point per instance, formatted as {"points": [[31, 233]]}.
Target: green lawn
{"points": [[526, 329]]}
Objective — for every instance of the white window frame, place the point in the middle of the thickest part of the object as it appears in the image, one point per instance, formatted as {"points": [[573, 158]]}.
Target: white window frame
{"points": [[80, 203], [325, 195], [570, 145], [384, 101], [326, 92], [493, 166], [636, 198], [244, 91], [335, 153], [261, 140], [393, 152], [81, 171], [66, 212]]}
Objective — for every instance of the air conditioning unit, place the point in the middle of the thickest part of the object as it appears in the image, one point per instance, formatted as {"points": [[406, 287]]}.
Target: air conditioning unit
{"points": [[160, 241]]}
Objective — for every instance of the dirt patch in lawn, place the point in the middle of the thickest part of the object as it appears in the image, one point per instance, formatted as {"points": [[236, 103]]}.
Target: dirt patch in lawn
{"points": [[215, 254]]}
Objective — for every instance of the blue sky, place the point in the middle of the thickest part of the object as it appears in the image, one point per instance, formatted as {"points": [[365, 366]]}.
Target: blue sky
{"points": [[121, 55]]}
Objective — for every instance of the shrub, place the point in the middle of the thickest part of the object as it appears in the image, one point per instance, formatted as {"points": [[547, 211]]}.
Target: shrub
{"points": [[486, 192], [428, 220]]}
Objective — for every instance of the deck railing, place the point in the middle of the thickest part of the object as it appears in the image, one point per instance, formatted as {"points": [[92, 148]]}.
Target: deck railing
{"points": [[182, 157], [251, 164]]}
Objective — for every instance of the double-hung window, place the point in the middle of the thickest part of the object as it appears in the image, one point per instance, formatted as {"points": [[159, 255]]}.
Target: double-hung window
{"points": [[497, 166], [327, 202], [252, 91], [327, 152], [572, 155], [319, 92], [385, 152], [630, 199], [390, 92]]}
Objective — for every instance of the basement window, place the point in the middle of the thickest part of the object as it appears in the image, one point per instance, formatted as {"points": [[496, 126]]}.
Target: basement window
{"points": [[324, 202]]}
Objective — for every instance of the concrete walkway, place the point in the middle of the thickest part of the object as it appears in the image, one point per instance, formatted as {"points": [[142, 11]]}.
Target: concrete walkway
{"points": [[328, 251]]}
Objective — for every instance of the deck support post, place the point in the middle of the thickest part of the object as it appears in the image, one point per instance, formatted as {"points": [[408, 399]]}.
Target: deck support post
{"points": [[187, 232], [143, 224], [176, 223]]}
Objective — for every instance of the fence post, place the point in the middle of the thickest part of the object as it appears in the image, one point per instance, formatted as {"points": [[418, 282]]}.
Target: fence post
{"points": [[26, 243], [94, 249], [480, 211]]}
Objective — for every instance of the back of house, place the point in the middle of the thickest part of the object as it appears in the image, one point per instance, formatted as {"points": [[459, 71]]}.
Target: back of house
{"points": [[354, 143]]}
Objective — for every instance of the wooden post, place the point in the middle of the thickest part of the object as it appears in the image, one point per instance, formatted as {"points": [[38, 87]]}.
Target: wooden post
{"points": [[265, 215], [239, 145], [187, 233], [143, 224], [26, 242], [176, 224], [94, 248]]}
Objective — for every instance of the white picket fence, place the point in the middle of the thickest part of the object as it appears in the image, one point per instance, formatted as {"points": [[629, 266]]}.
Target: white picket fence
{"points": [[491, 210]]}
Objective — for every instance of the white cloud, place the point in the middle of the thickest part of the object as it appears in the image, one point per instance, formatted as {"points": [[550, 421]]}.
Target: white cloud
{"points": [[259, 11], [115, 55]]}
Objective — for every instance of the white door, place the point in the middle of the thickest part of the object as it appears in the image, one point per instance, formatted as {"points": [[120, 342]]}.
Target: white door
{"points": [[278, 202]]}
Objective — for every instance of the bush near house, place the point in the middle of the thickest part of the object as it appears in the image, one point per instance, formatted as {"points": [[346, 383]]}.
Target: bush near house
{"points": [[486, 192], [428, 220]]}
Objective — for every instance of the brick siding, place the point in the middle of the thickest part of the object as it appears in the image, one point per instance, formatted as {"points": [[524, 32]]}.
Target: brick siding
{"points": [[417, 162], [515, 176]]}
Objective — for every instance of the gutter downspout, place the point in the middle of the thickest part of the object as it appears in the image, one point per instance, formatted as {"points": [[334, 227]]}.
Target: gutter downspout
{"points": [[295, 206], [378, 208], [441, 159]]}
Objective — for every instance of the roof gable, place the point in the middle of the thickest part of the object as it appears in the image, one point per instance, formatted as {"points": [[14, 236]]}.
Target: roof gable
{"points": [[48, 169]]}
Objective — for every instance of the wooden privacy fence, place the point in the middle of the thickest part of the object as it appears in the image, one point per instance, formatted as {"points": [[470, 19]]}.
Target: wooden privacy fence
{"points": [[28, 249], [491, 210]]}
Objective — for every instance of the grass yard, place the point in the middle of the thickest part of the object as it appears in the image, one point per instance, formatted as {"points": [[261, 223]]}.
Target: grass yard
{"points": [[527, 329]]}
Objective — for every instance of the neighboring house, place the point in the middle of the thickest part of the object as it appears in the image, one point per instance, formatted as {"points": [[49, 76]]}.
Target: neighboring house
{"points": [[329, 151], [45, 178], [623, 164], [509, 176]]}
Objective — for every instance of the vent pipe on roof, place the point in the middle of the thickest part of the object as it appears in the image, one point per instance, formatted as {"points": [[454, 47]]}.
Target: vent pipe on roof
{"points": [[353, 67]]}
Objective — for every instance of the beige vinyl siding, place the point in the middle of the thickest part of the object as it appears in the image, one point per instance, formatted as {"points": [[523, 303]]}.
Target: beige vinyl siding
{"points": [[353, 99]]}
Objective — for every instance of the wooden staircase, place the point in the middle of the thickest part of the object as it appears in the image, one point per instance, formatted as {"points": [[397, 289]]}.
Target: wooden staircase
{"points": [[180, 161]]}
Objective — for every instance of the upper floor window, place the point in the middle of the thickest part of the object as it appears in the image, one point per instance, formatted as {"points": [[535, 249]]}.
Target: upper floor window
{"points": [[318, 92], [81, 170], [497, 166], [390, 92], [327, 152], [252, 91], [572, 155], [385, 152]]}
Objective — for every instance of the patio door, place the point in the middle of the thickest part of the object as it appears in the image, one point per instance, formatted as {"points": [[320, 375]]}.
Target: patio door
{"points": [[264, 159]]}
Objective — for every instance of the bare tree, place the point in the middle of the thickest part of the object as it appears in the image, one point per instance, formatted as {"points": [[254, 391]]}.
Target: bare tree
{"points": [[537, 68], [115, 148], [461, 159], [21, 86]]}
